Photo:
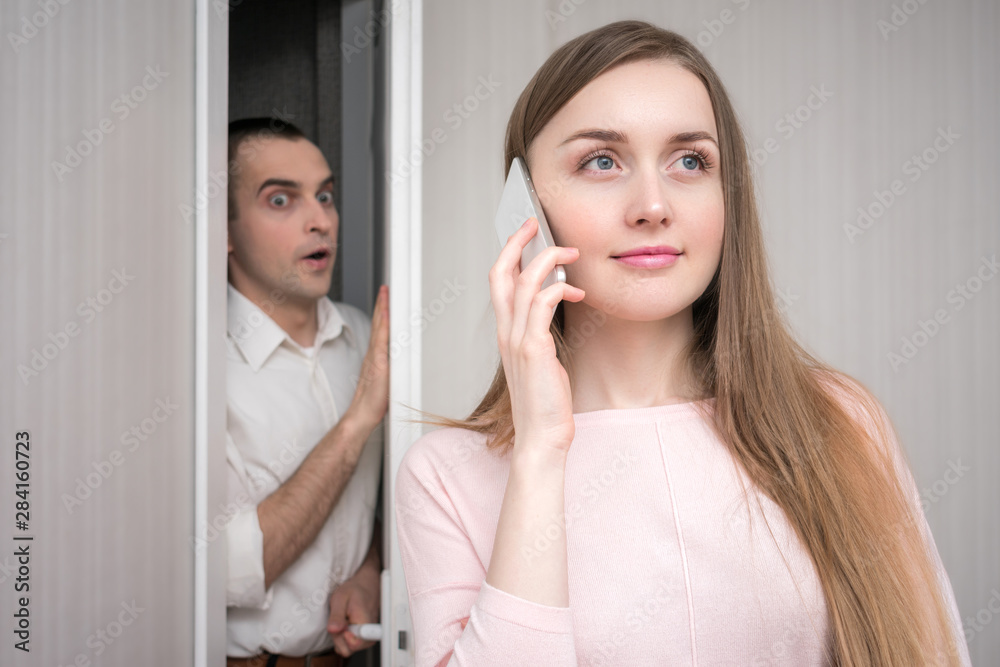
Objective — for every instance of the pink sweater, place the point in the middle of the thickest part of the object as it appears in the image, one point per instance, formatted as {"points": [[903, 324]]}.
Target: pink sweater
{"points": [[666, 565]]}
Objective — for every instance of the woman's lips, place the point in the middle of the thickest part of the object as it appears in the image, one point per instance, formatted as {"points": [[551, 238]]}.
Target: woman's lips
{"points": [[654, 261]]}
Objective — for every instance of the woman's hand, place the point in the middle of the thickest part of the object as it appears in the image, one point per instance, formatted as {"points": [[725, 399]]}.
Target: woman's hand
{"points": [[542, 406], [541, 400]]}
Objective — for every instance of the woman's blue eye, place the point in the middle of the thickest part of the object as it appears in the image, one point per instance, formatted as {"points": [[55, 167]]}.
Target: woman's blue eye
{"points": [[691, 161], [603, 162]]}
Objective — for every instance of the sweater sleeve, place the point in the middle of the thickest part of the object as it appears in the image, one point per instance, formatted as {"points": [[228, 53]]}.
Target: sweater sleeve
{"points": [[446, 585]]}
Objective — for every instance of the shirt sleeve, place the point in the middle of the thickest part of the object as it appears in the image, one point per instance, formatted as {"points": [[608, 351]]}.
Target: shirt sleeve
{"points": [[445, 581], [244, 538]]}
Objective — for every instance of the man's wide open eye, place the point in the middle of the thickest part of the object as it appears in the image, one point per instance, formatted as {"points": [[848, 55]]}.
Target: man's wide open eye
{"points": [[279, 200], [325, 197]]}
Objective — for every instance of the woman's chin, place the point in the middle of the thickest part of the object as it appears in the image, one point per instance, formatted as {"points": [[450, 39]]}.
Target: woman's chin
{"points": [[628, 310]]}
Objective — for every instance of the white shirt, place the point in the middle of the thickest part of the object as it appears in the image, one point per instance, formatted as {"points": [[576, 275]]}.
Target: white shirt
{"points": [[280, 403]]}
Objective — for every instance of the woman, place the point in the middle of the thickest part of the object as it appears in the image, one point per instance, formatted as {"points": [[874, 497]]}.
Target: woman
{"points": [[659, 474]]}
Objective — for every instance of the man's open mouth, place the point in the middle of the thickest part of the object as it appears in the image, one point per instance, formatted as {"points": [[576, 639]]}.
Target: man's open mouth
{"points": [[319, 254]]}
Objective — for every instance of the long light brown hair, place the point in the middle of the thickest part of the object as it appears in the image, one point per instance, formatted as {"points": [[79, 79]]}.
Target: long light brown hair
{"points": [[814, 440]]}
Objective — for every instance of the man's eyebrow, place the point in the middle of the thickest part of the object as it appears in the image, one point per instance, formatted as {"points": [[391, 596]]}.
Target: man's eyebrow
{"points": [[621, 138], [292, 185], [281, 182]]}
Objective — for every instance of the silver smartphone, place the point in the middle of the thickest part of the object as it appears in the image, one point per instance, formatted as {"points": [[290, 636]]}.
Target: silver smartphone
{"points": [[518, 203]]}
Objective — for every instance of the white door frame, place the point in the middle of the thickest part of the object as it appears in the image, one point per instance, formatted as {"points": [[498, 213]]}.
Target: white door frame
{"points": [[211, 139], [403, 261], [404, 99]]}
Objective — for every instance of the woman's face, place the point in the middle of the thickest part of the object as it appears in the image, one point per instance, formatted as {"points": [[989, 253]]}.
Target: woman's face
{"points": [[618, 171]]}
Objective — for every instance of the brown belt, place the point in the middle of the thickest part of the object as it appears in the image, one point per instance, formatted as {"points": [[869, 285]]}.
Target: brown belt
{"points": [[328, 658]]}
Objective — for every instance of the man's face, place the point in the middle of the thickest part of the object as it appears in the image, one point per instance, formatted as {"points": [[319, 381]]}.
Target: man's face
{"points": [[282, 242]]}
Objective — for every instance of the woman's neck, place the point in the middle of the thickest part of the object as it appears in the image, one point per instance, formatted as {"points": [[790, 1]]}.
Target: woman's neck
{"points": [[620, 363]]}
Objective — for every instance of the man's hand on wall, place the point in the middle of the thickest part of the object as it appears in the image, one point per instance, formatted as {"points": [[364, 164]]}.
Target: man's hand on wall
{"points": [[371, 398]]}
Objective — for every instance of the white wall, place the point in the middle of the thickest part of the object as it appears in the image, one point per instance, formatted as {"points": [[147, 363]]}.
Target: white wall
{"points": [[850, 302], [112, 572]]}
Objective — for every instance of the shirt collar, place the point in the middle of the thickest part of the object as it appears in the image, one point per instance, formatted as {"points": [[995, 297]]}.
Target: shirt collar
{"points": [[257, 336]]}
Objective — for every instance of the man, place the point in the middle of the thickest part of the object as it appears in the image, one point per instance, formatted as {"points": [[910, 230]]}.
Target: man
{"points": [[307, 391]]}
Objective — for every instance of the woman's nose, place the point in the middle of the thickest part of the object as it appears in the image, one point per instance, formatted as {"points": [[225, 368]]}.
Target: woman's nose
{"points": [[648, 201]]}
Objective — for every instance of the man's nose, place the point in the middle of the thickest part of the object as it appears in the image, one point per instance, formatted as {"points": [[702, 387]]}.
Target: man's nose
{"points": [[320, 218], [648, 198]]}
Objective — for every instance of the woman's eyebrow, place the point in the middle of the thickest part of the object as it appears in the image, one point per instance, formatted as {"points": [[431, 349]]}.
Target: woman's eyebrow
{"points": [[686, 137], [600, 135], [622, 138]]}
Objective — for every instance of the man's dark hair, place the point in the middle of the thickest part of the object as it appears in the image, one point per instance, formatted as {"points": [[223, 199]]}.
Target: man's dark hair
{"points": [[248, 130]]}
